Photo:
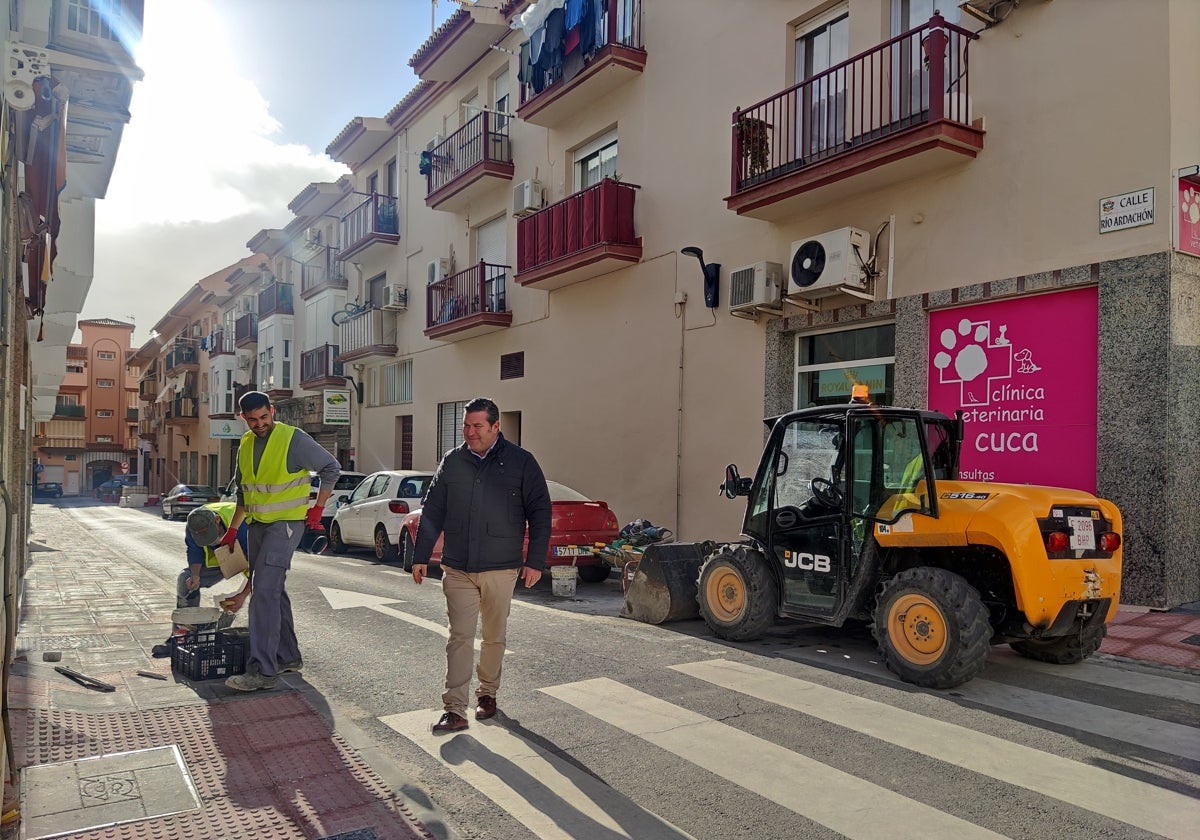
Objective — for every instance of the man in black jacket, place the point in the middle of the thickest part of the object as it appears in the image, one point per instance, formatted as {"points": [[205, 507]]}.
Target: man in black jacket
{"points": [[481, 497]]}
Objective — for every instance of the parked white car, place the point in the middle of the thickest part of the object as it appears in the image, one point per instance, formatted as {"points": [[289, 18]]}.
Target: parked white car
{"points": [[346, 484], [371, 517]]}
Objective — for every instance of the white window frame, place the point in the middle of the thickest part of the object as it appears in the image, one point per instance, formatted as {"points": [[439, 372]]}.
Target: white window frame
{"points": [[105, 383], [581, 155], [107, 355]]}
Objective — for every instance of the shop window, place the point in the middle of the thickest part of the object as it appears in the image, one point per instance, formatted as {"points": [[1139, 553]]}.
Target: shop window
{"points": [[829, 364]]}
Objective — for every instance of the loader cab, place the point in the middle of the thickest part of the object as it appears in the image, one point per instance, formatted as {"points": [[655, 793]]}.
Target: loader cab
{"points": [[827, 476]]}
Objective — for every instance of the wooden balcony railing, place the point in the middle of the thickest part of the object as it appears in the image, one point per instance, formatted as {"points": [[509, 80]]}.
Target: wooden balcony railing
{"points": [[148, 388], [479, 149], [584, 235], [319, 365], [275, 299], [183, 409], [920, 77], [245, 330], [376, 220]]}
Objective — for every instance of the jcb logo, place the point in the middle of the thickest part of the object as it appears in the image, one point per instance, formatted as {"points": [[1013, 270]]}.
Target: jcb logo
{"points": [[808, 562]]}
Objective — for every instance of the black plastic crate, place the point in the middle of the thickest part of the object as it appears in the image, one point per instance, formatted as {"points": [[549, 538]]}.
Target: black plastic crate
{"points": [[223, 656]]}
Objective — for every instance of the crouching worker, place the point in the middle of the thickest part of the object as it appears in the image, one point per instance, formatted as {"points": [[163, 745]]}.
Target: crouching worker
{"points": [[215, 551]]}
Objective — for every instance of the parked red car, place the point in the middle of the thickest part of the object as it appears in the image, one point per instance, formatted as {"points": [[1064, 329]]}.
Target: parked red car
{"points": [[576, 524]]}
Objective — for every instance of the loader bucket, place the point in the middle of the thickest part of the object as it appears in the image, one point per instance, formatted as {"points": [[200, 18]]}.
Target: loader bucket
{"points": [[663, 586]]}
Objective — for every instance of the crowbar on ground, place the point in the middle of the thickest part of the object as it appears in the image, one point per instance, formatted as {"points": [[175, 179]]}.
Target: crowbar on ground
{"points": [[83, 679]]}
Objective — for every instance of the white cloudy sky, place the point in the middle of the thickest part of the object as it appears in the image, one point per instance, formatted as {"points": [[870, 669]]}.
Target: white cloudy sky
{"points": [[239, 100]]}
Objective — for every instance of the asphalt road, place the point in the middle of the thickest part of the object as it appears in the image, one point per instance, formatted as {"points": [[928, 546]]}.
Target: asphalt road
{"points": [[614, 729]]}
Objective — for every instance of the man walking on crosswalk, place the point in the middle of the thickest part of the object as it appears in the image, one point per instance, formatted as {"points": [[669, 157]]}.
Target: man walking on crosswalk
{"points": [[481, 497]]}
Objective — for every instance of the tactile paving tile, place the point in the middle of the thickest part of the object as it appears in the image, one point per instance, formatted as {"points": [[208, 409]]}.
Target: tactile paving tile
{"points": [[307, 784]]}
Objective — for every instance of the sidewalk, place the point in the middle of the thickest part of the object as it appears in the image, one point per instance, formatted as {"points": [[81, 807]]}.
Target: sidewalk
{"points": [[171, 758]]}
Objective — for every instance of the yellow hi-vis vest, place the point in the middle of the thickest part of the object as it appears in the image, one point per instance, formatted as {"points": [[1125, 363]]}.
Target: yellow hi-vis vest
{"points": [[272, 494], [225, 511]]}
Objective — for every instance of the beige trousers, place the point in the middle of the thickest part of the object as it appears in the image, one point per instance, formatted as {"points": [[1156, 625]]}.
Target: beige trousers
{"points": [[471, 596]]}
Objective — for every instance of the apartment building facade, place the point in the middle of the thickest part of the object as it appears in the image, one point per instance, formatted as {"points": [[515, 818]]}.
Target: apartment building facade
{"points": [[92, 436], [954, 213]]}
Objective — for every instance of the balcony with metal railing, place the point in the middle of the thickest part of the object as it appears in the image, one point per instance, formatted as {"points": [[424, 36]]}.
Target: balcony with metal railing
{"points": [[275, 299], [371, 334], [131, 414], [612, 56], [370, 229], [899, 110], [585, 235], [322, 274], [181, 358], [182, 410], [467, 304], [245, 330], [148, 427], [468, 163], [319, 368], [221, 343]]}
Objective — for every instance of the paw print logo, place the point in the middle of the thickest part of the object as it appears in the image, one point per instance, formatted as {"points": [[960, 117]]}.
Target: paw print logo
{"points": [[970, 357], [1189, 206]]}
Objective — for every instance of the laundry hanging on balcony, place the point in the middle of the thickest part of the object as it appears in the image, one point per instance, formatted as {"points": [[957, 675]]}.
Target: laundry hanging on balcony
{"points": [[40, 135]]}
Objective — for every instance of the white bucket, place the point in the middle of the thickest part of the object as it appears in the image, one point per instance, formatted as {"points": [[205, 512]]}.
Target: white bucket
{"points": [[562, 580]]}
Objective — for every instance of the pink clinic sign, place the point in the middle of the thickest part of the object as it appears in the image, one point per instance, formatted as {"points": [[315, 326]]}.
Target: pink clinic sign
{"points": [[1024, 373]]}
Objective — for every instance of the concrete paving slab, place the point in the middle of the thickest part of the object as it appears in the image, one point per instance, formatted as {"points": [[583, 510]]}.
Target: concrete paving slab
{"points": [[87, 793]]}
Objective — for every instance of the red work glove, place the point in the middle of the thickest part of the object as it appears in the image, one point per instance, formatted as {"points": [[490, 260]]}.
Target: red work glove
{"points": [[313, 519], [229, 539]]}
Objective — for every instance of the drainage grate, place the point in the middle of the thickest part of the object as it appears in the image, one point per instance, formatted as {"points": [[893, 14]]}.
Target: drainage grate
{"points": [[357, 834], [1192, 640]]}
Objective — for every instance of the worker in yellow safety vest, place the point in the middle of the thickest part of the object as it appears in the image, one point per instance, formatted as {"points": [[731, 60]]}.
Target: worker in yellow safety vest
{"points": [[274, 462]]}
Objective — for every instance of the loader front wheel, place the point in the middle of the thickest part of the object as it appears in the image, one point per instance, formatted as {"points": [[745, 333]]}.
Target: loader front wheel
{"points": [[737, 593], [1063, 650], [932, 628]]}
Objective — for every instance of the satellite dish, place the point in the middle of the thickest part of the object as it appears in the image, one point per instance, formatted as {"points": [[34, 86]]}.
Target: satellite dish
{"points": [[808, 263]]}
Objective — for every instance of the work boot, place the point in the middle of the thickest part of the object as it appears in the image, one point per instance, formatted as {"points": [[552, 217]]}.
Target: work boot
{"points": [[295, 666], [250, 681]]}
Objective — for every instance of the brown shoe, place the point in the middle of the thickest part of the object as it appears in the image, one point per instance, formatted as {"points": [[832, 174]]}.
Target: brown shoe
{"points": [[450, 722], [486, 708]]}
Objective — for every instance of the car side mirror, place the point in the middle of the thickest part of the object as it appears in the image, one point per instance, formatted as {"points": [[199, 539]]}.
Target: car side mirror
{"points": [[341, 500]]}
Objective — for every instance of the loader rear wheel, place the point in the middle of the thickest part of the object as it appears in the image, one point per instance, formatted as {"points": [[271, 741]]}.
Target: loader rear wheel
{"points": [[1063, 650], [737, 593], [932, 628]]}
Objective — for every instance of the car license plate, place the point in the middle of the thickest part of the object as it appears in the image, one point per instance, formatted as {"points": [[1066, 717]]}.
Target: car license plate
{"points": [[1083, 532], [571, 551]]}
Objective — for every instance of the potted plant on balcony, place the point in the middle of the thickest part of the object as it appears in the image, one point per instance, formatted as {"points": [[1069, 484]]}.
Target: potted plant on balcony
{"points": [[754, 142]]}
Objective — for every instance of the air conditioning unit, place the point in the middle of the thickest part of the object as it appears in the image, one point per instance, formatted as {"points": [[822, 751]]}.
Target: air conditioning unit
{"points": [[434, 142], [437, 270], [243, 362], [395, 297], [312, 236], [527, 197], [751, 286], [827, 264]]}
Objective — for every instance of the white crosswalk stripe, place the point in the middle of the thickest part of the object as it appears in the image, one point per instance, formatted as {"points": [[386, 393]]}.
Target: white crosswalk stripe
{"points": [[555, 798], [1128, 800], [807, 787], [549, 796]]}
